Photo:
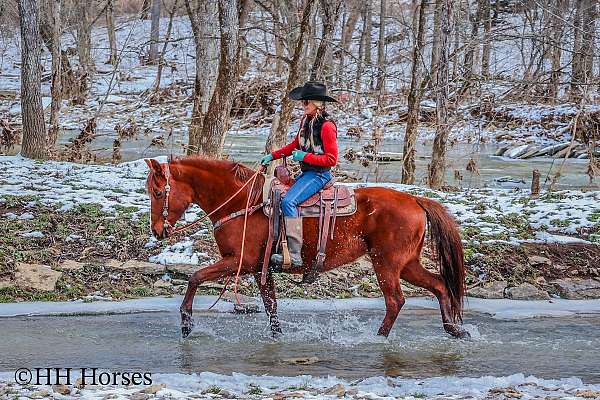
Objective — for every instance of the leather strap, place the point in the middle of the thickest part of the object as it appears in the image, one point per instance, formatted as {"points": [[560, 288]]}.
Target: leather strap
{"points": [[335, 206], [270, 239], [236, 214]]}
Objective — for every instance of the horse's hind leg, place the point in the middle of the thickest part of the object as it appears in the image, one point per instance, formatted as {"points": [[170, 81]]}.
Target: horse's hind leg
{"points": [[388, 276], [417, 275], [267, 292]]}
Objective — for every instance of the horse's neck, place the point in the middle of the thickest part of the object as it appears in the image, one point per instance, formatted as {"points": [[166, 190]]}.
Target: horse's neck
{"points": [[213, 188]]}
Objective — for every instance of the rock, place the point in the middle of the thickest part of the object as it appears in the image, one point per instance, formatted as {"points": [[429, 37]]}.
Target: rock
{"points": [[5, 284], [551, 150], [183, 269], [572, 288], [70, 265], [230, 297], [531, 151], [501, 151], [153, 389], [142, 267], [160, 284], [139, 396], [62, 389], [490, 290], [526, 291], [517, 151], [588, 394], [246, 308], [301, 360], [36, 276], [539, 260], [112, 263], [178, 282], [338, 390], [40, 394]]}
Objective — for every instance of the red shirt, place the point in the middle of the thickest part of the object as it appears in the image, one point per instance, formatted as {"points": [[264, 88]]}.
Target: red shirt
{"points": [[330, 148]]}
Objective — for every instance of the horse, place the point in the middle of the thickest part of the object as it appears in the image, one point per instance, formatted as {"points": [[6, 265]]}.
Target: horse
{"points": [[389, 226]]}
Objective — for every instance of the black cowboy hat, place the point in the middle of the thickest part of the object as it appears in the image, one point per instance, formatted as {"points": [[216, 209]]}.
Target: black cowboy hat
{"points": [[311, 91]]}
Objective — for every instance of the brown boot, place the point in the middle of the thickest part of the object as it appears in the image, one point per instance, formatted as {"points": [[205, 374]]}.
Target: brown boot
{"points": [[293, 230]]}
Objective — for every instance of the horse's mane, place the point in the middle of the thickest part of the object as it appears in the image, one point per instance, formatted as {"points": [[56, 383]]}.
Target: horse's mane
{"points": [[241, 173]]}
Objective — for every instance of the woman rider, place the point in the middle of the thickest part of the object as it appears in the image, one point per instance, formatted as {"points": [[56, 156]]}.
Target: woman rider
{"points": [[315, 147]]}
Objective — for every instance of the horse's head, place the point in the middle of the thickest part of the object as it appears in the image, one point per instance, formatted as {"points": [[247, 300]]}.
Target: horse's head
{"points": [[169, 197]]}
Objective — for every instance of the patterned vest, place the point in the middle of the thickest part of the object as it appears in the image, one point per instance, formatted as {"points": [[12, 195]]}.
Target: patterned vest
{"points": [[310, 139]]}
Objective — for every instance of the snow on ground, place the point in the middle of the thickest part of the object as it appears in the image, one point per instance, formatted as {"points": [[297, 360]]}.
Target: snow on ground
{"points": [[208, 385], [496, 308], [505, 215]]}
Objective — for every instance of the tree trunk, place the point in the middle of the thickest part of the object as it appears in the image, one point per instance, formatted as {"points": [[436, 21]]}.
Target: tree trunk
{"points": [[435, 46], [216, 120], [84, 37], [34, 132], [154, 33], [112, 38], [161, 61], [56, 89], [381, 54], [585, 23], [359, 58], [278, 136], [331, 11], [557, 34], [414, 99], [487, 43], [437, 167], [472, 44], [349, 27], [145, 11], [202, 17], [369, 29]]}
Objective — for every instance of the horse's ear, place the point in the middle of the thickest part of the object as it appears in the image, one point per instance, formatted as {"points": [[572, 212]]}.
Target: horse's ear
{"points": [[154, 165]]}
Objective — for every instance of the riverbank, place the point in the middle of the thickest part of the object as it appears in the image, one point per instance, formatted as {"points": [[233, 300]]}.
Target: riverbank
{"points": [[72, 231]]}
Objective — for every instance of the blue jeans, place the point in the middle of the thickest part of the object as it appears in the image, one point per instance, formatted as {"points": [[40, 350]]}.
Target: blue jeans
{"points": [[307, 184]]}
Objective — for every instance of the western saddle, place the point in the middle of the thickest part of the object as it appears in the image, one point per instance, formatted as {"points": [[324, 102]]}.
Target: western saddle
{"points": [[332, 201]]}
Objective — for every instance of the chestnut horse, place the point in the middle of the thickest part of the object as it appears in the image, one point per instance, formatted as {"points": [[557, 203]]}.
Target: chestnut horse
{"points": [[389, 226]]}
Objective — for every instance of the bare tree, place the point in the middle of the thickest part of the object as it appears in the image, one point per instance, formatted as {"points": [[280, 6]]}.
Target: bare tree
{"points": [[331, 12], [348, 28], [110, 28], [585, 25], [154, 32], [556, 47], [359, 59], [414, 99], [437, 166], [279, 132], [161, 61], [487, 43], [34, 131], [435, 46], [381, 52], [56, 89], [216, 120], [203, 16], [84, 35]]}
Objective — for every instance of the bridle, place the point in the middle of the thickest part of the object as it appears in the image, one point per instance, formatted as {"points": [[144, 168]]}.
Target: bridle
{"points": [[165, 209]]}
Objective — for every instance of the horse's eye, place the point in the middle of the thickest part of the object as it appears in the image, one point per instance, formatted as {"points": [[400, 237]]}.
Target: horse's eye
{"points": [[158, 194]]}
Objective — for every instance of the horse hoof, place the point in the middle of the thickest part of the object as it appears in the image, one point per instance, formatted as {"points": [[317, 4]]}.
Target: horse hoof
{"points": [[185, 331], [463, 334]]}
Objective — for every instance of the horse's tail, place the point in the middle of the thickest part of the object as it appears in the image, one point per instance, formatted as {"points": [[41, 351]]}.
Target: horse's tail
{"points": [[448, 252]]}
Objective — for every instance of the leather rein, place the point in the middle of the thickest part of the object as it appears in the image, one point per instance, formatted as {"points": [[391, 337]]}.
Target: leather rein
{"points": [[220, 222]]}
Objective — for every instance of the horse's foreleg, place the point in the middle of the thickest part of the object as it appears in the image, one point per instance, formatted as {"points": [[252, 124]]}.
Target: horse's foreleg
{"points": [[225, 267], [267, 292]]}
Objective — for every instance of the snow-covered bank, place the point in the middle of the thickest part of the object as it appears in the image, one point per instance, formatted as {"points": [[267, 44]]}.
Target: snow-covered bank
{"points": [[207, 385], [506, 215], [497, 308]]}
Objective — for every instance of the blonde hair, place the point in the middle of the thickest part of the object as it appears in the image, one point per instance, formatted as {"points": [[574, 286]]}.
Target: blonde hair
{"points": [[318, 103]]}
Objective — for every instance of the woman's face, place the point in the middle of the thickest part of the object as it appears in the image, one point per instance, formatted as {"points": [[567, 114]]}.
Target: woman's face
{"points": [[309, 107]]}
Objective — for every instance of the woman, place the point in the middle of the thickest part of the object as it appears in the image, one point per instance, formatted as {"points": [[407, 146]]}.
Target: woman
{"points": [[315, 147]]}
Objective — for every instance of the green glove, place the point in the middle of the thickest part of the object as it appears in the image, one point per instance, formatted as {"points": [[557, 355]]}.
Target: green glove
{"points": [[299, 155], [266, 160]]}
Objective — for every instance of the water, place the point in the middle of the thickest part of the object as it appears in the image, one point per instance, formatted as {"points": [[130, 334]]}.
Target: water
{"points": [[344, 342], [248, 148]]}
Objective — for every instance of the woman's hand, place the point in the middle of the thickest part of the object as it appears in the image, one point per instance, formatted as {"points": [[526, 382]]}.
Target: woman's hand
{"points": [[298, 155], [266, 160]]}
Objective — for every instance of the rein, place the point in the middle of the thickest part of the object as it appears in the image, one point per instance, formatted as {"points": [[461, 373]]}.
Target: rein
{"points": [[246, 211], [220, 222]]}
